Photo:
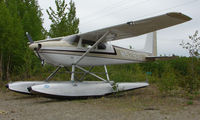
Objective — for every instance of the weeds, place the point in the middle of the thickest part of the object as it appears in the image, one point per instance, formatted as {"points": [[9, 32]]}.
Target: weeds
{"points": [[168, 81], [190, 102]]}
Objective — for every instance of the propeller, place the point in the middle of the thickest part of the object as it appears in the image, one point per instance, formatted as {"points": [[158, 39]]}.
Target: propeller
{"points": [[29, 38], [36, 49]]}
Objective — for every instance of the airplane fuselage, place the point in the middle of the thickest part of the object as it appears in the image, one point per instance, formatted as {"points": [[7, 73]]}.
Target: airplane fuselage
{"points": [[64, 53]]}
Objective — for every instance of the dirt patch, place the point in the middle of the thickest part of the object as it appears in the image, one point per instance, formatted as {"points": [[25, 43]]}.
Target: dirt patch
{"points": [[141, 104]]}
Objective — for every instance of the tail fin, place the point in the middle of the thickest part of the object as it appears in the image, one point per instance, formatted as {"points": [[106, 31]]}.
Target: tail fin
{"points": [[151, 43]]}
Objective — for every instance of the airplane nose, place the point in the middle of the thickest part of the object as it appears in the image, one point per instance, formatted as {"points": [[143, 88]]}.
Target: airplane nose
{"points": [[33, 46]]}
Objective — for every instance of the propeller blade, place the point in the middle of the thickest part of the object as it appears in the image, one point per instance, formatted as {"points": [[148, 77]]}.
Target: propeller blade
{"points": [[29, 38], [38, 55], [37, 49]]}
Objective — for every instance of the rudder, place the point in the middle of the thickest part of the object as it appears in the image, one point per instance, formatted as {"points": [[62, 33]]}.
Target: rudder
{"points": [[151, 43]]}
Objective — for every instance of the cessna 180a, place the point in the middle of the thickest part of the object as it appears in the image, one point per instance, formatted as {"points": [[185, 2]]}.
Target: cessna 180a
{"points": [[94, 49]]}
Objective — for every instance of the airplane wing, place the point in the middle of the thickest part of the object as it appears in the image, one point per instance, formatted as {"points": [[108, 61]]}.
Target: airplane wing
{"points": [[136, 28]]}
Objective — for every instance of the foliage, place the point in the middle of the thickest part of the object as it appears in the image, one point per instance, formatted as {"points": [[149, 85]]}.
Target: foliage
{"points": [[168, 81], [193, 46], [191, 81], [63, 23], [18, 17], [11, 34], [190, 102]]}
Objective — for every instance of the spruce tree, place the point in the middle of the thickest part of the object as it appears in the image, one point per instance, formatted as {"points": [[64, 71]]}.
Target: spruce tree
{"points": [[64, 20], [32, 21]]}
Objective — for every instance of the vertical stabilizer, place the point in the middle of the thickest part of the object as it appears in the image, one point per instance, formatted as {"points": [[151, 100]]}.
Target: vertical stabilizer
{"points": [[151, 43]]}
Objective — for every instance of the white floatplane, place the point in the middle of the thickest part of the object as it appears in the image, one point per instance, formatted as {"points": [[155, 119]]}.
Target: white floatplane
{"points": [[94, 49]]}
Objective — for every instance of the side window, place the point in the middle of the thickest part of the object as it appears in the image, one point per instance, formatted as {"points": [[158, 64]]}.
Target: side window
{"points": [[75, 40], [74, 43], [101, 46], [85, 45], [72, 40], [89, 43]]}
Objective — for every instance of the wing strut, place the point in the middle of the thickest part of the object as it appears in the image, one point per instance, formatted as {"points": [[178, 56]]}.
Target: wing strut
{"points": [[106, 72], [73, 73], [93, 46]]}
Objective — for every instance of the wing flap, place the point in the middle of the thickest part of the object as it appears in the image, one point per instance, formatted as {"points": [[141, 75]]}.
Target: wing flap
{"points": [[136, 28]]}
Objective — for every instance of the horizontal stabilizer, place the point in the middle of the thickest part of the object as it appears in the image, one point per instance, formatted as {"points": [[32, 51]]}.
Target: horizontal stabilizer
{"points": [[161, 58]]}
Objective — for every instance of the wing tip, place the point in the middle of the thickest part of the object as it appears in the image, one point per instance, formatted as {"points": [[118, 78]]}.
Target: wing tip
{"points": [[179, 16]]}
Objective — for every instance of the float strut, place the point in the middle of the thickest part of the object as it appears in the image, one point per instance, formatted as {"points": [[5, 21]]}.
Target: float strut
{"points": [[53, 74]]}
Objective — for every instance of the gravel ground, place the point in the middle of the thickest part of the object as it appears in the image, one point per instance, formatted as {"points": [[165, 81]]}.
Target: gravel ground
{"points": [[141, 104]]}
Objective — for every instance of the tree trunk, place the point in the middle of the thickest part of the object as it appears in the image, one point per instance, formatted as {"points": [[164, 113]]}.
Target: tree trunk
{"points": [[1, 68], [8, 69]]}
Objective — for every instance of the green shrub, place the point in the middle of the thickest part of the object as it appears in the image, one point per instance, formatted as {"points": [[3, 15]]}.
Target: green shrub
{"points": [[168, 80], [190, 82]]}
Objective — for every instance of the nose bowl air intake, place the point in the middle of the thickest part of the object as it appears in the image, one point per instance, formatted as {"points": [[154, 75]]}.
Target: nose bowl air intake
{"points": [[35, 46]]}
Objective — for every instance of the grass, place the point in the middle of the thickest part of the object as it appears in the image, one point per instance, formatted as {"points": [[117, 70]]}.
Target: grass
{"points": [[190, 102], [2, 86], [138, 100]]}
